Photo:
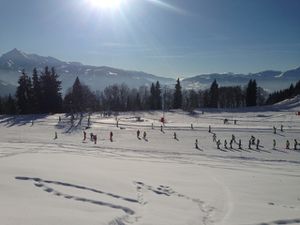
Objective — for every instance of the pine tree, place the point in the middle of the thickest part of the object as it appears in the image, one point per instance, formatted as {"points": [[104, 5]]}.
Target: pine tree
{"points": [[78, 103], [158, 103], [9, 105], [254, 93], [24, 94], [214, 95], [51, 96], [193, 100], [138, 103], [251, 93], [177, 96], [152, 97], [36, 92], [79, 98], [1, 107]]}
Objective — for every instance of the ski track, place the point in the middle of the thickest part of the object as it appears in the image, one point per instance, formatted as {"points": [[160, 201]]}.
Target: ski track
{"points": [[167, 191], [129, 217]]}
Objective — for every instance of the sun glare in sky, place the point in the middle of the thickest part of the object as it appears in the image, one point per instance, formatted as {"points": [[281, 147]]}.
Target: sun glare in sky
{"points": [[105, 4]]}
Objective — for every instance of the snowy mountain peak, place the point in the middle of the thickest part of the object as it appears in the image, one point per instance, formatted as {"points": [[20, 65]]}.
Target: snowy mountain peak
{"points": [[14, 54]]}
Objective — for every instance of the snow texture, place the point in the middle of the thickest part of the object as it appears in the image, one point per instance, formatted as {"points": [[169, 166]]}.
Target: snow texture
{"points": [[156, 180]]}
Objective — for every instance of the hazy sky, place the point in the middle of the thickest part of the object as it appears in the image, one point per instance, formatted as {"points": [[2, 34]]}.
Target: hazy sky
{"points": [[164, 37]]}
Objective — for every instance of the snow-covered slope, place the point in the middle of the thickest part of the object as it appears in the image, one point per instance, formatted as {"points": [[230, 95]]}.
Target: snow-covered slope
{"points": [[156, 180], [290, 104]]}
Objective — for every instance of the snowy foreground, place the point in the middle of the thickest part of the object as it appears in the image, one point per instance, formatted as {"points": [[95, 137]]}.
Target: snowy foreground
{"points": [[158, 181]]}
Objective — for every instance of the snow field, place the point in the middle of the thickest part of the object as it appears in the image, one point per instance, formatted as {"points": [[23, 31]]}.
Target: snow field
{"points": [[158, 181]]}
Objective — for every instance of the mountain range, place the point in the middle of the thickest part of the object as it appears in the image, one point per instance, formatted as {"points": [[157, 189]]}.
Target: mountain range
{"points": [[98, 77]]}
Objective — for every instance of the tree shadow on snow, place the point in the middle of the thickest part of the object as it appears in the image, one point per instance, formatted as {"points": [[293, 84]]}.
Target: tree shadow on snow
{"points": [[21, 120], [284, 221], [70, 126]]}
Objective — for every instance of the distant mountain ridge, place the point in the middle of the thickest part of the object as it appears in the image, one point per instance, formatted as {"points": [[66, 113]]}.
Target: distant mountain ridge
{"points": [[269, 79], [98, 77]]}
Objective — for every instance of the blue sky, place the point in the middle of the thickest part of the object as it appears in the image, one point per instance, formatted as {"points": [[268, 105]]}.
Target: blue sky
{"points": [[174, 38]]}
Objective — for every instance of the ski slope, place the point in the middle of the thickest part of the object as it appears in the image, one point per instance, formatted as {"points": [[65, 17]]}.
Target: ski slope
{"points": [[154, 181]]}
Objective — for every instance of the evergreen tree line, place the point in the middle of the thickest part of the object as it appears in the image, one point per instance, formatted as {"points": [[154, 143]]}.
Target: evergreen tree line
{"points": [[287, 93], [224, 97], [40, 93]]}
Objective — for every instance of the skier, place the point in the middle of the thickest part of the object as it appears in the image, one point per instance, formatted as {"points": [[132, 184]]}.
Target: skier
{"points": [[209, 129], [257, 144], [240, 144], [192, 127], [152, 126], [196, 144], [287, 144], [91, 136], [249, 145], [225, 144], [59, 119], [55, 135], [295, 144], [161, 128], [274, 144], [252, 140], [281, 128], [233, 139], [175, 136], [144, 135], [235, 122], [214, 138], [138, 134], [274, 129], [230, 143], [218, 144], [84, 135], [95, 139], [89, 121], [111, 136], [117, 123]]}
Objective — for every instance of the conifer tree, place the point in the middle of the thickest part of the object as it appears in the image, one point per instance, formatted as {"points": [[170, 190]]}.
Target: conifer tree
{"points": [[24, 94], [36, 92], [9, 105], [1, 107], [77, 96], [177, 95], [214, 95], [152, 97], [138, 103], [158, 103], [51, 96], [251, 93]]}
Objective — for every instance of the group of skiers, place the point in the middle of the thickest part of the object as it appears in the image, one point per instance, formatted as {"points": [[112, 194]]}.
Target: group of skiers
{"points": [[231, 142], [275, 129], [93, 137], [138, 132], [252, 141]]}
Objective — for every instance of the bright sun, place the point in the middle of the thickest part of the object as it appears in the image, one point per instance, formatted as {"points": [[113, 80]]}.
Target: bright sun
{"points": [[105, 4]]}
